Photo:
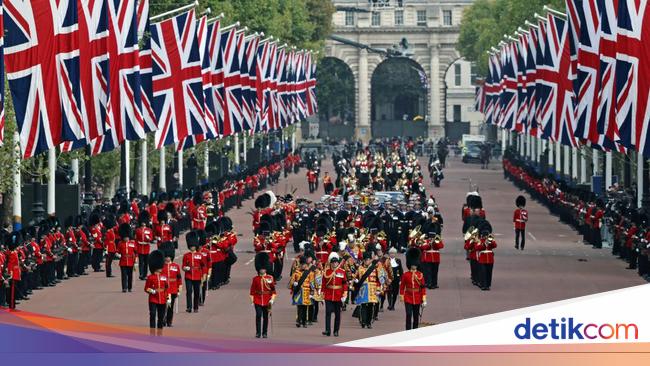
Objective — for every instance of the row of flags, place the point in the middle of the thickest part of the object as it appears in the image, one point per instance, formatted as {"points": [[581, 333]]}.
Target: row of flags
{"points": [[98, 73], [583, 78]]}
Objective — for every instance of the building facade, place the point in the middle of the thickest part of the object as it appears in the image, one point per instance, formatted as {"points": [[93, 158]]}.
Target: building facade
{"points": [[431, 28]]}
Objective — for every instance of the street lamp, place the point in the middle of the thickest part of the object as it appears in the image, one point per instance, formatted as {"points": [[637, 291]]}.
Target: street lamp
{"points": [[444, 80]]}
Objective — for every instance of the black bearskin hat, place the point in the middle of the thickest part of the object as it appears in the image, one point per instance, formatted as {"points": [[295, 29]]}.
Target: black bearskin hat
{"points": [[225, 224], [170, 208], [484, 227], [162, 216], [192, 239], [168, 249], [125, 231], [156, 261], [412, 257], [14, 240], [109, 221], [262, 260], [520, 201], [212, 228], [476, 202], [198, 198], [265, 200], [367, 255], [145, 218], [203, 237]]}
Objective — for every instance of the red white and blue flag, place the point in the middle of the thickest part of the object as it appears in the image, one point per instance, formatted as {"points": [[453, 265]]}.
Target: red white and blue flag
{"points": [[632, 71], [178, 101], [228, 82], [2, 78], [42, 63]]}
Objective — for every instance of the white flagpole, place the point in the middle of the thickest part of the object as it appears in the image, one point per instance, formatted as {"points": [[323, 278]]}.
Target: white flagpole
{"points": [[583, 167], [565, 167], [128, 168], [244, 147], [74, 166], [51, 182], [608, 170], [171, 12], [551, 152], [574, 163], [17, 204], [206, 162], [180, 169], [639, 179], [144, 167], [162, 179], [558, 157], [237, 149]]}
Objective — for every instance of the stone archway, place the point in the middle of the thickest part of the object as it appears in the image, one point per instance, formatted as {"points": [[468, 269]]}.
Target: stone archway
{"points": [[399, 97], [336, 99]]}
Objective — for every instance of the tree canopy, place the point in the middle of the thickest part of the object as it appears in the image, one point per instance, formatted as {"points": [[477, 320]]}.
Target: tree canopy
{"points": [[486, 21]]}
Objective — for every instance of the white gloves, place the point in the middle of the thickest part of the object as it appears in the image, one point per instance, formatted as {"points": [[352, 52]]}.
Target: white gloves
{"points": [[424, 304], [295, 283], [271, 302], [186, 268]]}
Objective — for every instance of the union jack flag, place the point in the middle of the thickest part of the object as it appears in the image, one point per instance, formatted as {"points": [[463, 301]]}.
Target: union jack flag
{"points": [[300, 95], [557, 87], [492, 89], [262, 85], [206, 38], [42, 62], [508, 98], [275, 100], [2, 78], [520, 53], [531, 80], [146, 70], [632, 70], [94, 71], [228, 82], [177, 83], [248, 78], [312, 102]]}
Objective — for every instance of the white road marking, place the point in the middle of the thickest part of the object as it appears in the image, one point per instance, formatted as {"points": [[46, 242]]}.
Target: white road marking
{"points": [[498, 234], [250, 261], [532, 236]]}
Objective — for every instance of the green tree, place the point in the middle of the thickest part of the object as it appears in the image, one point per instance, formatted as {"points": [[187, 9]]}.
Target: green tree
{"points": [[486, 21], [335, 90]]}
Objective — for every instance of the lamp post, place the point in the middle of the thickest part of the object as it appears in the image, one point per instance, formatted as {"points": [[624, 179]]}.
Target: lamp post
{"points": [[444, 81]]}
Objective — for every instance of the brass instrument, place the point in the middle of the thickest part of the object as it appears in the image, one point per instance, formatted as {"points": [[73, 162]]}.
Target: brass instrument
{"points": [[490, 238], [437, 239], [381, 235], [415, 232], [470, 232]]}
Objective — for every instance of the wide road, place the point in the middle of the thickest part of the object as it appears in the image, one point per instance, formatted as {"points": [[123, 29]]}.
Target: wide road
{"points": [[554, 266]]}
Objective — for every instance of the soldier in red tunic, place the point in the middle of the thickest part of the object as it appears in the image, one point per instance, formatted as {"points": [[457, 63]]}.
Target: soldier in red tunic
{"points": [[172, 271], [110, 243], [485, 255], [412, 289], [157, 286], [126, 252], [13, 267], [335, 292], [262, 294], [520, 217], [193, 266], [143, 237]]}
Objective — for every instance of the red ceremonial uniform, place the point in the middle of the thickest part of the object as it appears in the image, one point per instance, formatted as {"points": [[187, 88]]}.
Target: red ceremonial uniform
{"points": [[431, 251], [520, 217], [109, 241], [173, 273], [199, 217], [262, 289], [127, 251], [144, 237], [412, 287], [96, 234], [13, 265], [335, 284], [484, 253], [207, 261], [193, 266], [159, 283], [311, 176]]}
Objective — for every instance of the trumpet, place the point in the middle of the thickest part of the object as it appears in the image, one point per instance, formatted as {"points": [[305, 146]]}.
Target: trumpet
{"points": [[469, 233], [437, 239], [490, 238]]}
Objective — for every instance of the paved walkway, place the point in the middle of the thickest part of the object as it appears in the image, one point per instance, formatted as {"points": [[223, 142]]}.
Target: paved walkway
{"points": [[553, 267]]}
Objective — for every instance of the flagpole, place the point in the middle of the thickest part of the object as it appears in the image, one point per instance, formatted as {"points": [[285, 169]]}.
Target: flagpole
{"points": [[608, 170], [574, 164], [237, 150], [565, 168], [162, 179], [503, 141], [51, 182], [553, 11], [583, 167], [551, 153], [558, 158], [143, 167], [640, 161], [212, 20], [206, 161], [228, 27], [74, 166], [17, 191], [180, 169], [171, 12], [127, 159], [595, 162]]}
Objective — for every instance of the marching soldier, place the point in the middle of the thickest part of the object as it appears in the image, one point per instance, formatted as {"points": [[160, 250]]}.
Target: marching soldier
{"points": [[143, 237], [193, 266], [110, 239], [157, 286], [301, 288], [520, 218], [485, 255], [412, 289], [335, 293], [431, 259], [13, 267], [172, 271], [262, 294], [126, 252], [327, 183], [367, 287], [96, 237]]}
